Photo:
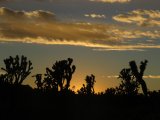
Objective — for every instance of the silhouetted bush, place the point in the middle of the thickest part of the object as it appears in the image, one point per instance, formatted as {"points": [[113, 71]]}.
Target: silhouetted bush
{"points": [[82, 90], [110, 91], [128, 85]]}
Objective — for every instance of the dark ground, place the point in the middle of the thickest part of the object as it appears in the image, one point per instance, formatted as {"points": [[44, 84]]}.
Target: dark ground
{"points": [[27, 104]]}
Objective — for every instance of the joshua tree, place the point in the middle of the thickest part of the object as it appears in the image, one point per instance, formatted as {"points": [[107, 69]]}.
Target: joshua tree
{"points": [[128, 84], [69, 70], [16, 69], [139, 74], [38, 81], [49, 82], [89, 87], [60, 75], [90, 80]]}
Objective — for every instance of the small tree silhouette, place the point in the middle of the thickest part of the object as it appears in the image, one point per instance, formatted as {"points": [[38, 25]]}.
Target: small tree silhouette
{"points": [[38, 81], [139, 74], [90, 80], [128, 84], [89, 87], [82, 90], [16, 69], [60, 75]]}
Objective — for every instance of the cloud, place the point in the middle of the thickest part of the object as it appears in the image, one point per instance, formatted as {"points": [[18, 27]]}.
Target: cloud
{"points": [[145, 76], [4, 0], [140, 17], [8, 1], [38, 15], [104, 1], [93, 15], [111, 1], [152, 76], [42, 27], [112, 76]]}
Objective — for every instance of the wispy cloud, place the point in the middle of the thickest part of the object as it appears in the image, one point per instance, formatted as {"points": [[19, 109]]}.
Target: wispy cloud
{"points": [[93, 15], [42, 27], [105, 1], [112, 76], [112, 1], [2, 0], [140, 17], [152, 76], [145, 76]]}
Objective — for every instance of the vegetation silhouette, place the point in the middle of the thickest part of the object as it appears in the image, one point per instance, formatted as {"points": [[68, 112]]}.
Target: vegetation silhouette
{"points": [[16, 69], [139, 74], [58, 78], [129, 85], [53, 97], [60, 75], [131, 79], [110, 92], [88, 89], [38, 81]]}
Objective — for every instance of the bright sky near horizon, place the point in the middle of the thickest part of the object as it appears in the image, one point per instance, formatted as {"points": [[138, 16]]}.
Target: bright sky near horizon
{"points": [[102, 36]]}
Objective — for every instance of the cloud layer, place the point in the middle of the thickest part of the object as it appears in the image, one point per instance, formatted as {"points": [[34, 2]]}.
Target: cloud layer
{"points": [[39, 15], [111, 1], [140, 17], [42, 27]]}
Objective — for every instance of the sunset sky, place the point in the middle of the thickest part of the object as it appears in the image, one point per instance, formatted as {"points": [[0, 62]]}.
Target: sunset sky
{"points": [[101, 36]]}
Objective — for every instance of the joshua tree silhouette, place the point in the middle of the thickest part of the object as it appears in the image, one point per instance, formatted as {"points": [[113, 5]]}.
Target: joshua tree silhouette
{"points": [[139, 74], [38, 81], [16, 69], [60, 75], [90, 80], [89, 87]]}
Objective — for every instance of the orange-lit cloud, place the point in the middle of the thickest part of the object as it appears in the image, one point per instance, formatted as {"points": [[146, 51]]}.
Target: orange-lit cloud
{"points": [[140, 17], [42, 27], [93, 15], [111, 1]]}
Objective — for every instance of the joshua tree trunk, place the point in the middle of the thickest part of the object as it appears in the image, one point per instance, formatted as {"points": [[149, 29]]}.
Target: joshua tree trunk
{"points": [[139, 75], [144, 86]]}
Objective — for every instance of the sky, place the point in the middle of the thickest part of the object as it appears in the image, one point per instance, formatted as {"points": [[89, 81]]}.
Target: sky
{"points": [[101, 36]]}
